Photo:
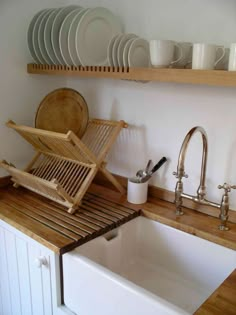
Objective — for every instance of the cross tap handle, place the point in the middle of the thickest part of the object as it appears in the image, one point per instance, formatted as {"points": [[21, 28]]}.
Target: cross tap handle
{"points": [[180, 175], [227, 187]]}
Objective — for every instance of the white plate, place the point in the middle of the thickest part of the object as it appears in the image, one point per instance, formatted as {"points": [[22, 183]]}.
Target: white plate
{"points": [[41, 43], [120, 50], [30, 36], [71, 37], [109, 50], [138, 55], [58, 20], [63, 36], [94, 32], [114, 50], [47, 36], [35, 36], [126, 52]]}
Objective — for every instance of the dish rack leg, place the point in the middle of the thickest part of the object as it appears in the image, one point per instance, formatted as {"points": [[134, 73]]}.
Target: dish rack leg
{"points": [[28, 167], [112, 179], [12, 165], [72, 210]]}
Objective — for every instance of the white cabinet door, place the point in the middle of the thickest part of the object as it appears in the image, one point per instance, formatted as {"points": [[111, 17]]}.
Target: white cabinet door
{"points": [[25, 276]]}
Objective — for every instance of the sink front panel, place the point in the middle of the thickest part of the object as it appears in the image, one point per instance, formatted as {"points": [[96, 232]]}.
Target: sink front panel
{"points": [[144, 267]]}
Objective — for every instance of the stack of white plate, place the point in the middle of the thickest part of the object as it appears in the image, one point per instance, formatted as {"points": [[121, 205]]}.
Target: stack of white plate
{"points": [[72, 35], [128, 50]]}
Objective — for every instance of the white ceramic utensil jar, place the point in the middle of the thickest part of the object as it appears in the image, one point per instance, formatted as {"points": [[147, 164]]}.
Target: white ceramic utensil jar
{"points": [[137, 192], [162, 53], [204, 56], [232, 57]]}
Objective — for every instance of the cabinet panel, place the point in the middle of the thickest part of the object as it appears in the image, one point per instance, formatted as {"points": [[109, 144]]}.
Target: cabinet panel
{"points": [[46, 279], [1, 310], [24, 277], [25, 286], [13, 275], [4, 276]]}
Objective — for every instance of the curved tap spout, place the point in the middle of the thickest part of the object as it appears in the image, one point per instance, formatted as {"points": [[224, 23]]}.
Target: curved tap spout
{"points": [[201, 192], [180, 168]]}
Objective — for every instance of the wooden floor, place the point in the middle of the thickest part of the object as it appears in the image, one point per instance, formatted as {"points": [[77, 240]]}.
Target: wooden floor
{"points": [[50, 224]]}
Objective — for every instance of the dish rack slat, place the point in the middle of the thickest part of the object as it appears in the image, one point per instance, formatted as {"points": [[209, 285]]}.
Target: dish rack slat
{"points": [[64, 165]]}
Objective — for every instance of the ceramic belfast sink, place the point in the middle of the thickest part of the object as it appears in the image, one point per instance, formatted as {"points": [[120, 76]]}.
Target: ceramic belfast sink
{"points": [[144, 267]]}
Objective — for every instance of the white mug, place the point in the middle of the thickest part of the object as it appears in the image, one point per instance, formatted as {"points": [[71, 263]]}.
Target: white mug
{"points": [[232, 58], [204, 56], [186, 58], [162, 53]]}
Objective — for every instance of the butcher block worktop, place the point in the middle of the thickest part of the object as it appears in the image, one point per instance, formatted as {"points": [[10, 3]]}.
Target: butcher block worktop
{"points": [[103, 209], [51, 225]]}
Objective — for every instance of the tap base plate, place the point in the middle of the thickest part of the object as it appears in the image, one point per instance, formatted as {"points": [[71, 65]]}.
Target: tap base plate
{"points": [[179, 212], [223, 228]]}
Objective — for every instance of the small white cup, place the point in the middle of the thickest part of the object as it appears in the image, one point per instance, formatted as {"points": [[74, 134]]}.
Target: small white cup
{"points": [[137, 192], [232, 57], [162, 53], [204, 56]]}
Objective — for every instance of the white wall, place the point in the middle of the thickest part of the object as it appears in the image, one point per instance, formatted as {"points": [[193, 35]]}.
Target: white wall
{"points": [[20, 93], [161, 114]]}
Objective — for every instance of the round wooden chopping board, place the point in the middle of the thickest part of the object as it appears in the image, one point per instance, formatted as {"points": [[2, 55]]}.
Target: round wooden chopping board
{"points": [[63, 110]]}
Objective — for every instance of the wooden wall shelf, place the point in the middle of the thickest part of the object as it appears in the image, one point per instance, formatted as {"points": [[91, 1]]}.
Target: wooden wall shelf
{"points": [[189, 76]]}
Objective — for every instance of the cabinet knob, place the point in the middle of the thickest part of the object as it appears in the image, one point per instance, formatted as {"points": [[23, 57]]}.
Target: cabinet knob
{"points": [[40, 261]]}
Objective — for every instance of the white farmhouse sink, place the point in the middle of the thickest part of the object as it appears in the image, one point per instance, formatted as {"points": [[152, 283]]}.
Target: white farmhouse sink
{"points": [[144, 268]]}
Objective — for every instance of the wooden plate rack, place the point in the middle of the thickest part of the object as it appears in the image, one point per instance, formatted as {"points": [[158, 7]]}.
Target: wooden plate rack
{"points": [[208, 77], [64, 165]]}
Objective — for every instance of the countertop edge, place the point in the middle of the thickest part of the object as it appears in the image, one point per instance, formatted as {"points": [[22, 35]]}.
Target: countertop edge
{"points": [[30, 234]]}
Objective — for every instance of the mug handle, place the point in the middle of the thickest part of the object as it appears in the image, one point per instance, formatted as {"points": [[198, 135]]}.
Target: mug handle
{"points": [[180, 54], [222, 56], [190, 60]]}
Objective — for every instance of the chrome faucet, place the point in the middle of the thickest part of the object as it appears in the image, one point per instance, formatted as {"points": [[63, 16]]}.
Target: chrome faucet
{"points": [[201, 191]]}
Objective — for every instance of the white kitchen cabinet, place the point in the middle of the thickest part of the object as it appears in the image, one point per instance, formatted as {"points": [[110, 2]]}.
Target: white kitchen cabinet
{"points": [[29, 276], [25, 283]]}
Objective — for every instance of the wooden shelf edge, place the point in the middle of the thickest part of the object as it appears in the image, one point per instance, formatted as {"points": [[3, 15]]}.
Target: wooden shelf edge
{"points": [[184, 76]]}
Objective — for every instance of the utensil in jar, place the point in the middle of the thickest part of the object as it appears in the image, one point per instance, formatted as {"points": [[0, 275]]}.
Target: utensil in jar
{"points": [[142, 173], [153, 170]]}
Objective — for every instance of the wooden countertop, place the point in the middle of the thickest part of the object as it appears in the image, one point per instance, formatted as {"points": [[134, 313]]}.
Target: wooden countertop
{"points": [[103, 209], [222, 301], [50, 224]]}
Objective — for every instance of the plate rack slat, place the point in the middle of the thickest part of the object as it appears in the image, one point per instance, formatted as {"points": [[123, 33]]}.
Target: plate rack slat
{"points": [[187, 76]]}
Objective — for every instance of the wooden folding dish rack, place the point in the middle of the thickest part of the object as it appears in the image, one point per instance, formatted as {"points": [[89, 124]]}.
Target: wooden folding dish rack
{"points": [[64, 165]]}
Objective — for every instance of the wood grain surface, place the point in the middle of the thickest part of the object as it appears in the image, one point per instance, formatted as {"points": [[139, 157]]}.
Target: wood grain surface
{"points": [[222, 301], [104, 209], [157, 193], [64, 165], [62, 110], [207, 77], [50, 224]]}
